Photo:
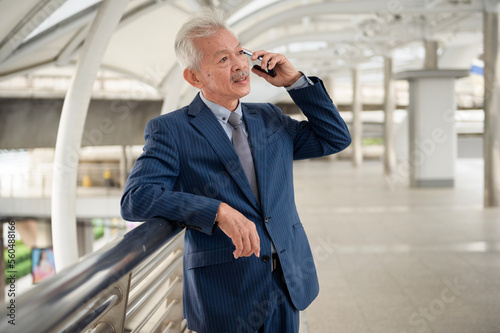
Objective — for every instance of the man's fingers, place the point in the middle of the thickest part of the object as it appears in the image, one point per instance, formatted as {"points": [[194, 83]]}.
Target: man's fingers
{"points": [[238, 245], [242, 242], [274, 61], [246, 246], [264, 64], [246, 241], [255, 243], [267, 59], [241, 230]]}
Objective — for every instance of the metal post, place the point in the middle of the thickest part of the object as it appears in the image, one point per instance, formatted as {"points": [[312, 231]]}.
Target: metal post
{"points": [[357, 123], [176, 296], [491, 108], [389, 106], [70, 132], [115, 317]]}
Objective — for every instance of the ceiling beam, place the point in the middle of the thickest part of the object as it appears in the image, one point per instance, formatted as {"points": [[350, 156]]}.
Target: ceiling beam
{"points": [[207, 3], [79, 21], [74, 46], [259, 13], [36, 16], [72, 23], [25, 70], [262, 23]]}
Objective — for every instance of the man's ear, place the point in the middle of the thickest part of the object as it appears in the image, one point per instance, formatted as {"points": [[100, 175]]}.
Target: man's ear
{"points": [[192, 78]]}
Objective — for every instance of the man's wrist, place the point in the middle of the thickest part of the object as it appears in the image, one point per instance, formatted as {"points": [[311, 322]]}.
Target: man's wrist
{"points": [[294, 80], [220, 213], [302, 82]]}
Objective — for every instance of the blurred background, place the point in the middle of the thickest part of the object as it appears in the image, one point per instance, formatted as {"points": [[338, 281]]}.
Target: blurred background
{"points": [[399, 221]]}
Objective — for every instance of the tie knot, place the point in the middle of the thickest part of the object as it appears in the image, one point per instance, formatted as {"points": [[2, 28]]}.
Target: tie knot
{"points": [[234, 119]]}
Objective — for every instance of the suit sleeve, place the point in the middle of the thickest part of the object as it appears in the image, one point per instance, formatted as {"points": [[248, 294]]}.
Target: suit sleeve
{"points": [[324, 132], [151, 187]]}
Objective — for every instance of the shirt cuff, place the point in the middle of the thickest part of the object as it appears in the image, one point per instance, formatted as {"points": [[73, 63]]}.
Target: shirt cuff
{"points": [[302, 82]]}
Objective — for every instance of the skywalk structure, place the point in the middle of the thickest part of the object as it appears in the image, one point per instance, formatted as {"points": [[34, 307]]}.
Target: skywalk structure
{"points": [[90, 45]]}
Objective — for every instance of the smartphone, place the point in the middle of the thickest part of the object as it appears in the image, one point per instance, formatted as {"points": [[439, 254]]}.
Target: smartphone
{"points": [[258, 66]]}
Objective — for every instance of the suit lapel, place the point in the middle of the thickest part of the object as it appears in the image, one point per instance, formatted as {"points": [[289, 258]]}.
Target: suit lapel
{"points": [[207, 124], [258, 144]]}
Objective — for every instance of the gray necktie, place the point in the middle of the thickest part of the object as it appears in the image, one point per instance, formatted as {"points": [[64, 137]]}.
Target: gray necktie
{"points": [[240, 143]]}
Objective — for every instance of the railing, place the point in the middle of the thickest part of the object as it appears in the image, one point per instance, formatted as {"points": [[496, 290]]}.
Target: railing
{"points": [[133, 284]]}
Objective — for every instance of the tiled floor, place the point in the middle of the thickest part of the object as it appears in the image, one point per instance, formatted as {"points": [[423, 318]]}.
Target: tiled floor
{"points": [[395, 259]]}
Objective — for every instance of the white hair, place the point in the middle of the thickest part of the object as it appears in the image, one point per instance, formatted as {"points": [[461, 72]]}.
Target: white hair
{"points": [[204, 24]]}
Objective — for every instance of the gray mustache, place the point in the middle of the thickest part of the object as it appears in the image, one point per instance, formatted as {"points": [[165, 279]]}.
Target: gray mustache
{"points": [[237, 76]]}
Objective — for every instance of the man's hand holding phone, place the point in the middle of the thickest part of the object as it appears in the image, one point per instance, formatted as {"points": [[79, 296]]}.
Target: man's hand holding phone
{"points": [[274, 63]]}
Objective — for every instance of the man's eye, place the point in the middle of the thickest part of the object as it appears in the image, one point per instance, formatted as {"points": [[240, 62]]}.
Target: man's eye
{"points": [[223, 59], [241, 52]]}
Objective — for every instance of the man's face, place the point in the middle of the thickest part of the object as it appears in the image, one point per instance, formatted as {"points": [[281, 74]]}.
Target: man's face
{"points": [[224, 75]]}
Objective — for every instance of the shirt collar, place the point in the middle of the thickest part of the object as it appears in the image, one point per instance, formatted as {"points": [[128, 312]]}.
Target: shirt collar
{"points": [[219, 111]]}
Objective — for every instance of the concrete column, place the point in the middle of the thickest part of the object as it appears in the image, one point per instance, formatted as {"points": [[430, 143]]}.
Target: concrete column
{"points": [[357, 123], [123, 167], [432, 132], [389, 107], [431, 55], [491, 108], [85, 237], [35, 232], [130, 158], [70, 132]]}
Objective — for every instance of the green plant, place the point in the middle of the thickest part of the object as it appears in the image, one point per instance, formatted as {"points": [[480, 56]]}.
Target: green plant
{"points": [[22, 264], [98, 232]]}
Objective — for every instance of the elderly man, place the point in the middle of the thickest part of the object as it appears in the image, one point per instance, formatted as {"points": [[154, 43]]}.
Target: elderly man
{"points": [[223, 170]]}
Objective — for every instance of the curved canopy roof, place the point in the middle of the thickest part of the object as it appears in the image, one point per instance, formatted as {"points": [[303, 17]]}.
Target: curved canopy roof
{"points": [[326, 38]]}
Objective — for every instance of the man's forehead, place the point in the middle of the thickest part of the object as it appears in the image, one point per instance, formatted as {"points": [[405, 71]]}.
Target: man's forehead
{"points": [[226, 50]]}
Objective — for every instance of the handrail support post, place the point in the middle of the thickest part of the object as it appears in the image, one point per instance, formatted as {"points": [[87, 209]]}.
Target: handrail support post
{"points": [[175, 315], [114, 319]]}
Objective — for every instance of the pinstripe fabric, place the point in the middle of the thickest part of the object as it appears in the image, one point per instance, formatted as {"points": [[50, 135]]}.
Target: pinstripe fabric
{"points": [[189, 167]]}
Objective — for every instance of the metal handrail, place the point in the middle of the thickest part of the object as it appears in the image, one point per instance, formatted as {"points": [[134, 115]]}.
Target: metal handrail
{"points": [[146, 294], [81, 294], [153, 262]]}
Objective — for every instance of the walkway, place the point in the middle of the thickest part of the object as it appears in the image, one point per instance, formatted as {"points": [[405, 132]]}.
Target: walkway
{"points": [[395, 259]]}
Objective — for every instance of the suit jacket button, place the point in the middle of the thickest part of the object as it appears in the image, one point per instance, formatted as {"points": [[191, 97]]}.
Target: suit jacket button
{"points": [[266, 258], [267, 219]]}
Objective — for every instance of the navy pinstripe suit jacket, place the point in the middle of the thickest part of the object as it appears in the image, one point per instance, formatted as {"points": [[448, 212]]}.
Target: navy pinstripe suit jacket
{"points": [[189, 166]]}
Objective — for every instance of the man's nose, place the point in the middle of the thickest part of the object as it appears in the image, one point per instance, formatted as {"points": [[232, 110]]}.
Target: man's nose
{"points": [[240, 63]]}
